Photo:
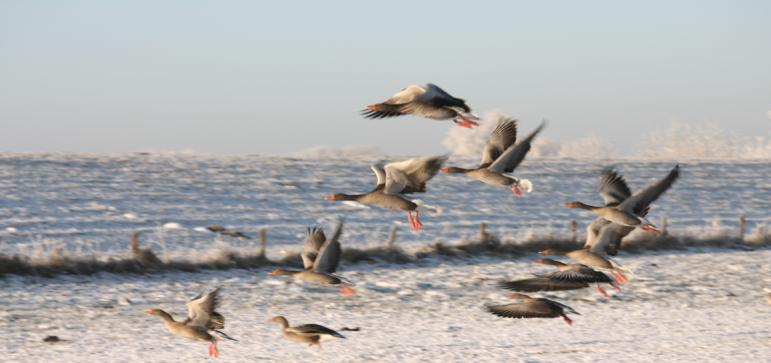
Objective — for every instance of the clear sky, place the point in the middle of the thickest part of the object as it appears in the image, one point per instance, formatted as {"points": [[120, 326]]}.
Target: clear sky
{"points": [[282, 76]]}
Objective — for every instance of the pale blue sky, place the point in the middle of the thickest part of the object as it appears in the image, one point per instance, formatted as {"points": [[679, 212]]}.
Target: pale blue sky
{"points": [[276, 77]]}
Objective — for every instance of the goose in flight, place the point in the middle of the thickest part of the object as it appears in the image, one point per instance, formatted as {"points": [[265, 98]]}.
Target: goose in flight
{"points": [[202, 322], [313, 334], [395, 180], [587, 257], [576, 272], [427, 101], [321, 257], [530, 307], [501, 156], [623, 212]]}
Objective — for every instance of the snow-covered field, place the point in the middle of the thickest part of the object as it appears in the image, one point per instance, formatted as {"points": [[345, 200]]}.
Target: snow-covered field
{"points": [[689, 305], [694, 306]]}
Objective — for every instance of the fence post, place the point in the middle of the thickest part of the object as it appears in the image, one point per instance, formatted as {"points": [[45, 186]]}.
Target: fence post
{"points": [[263, 242], [664, 225], [574, 230], [392, 236]]}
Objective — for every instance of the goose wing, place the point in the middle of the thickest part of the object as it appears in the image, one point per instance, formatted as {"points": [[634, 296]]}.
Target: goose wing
{"points": [[329, 255], [504, 135], [609, 239], [201, 308], [527, 309], [578, 273], [380, 175], [613, 187], [541, 284], [514, 154], [314, 329], [313, 243], [410, 176], [641, 200], [397, 105]]}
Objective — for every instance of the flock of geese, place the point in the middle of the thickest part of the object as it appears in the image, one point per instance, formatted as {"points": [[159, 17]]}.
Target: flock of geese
{"points": [[619, 215]]}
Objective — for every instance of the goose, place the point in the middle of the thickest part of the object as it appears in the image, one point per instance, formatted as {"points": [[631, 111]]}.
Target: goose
{"points": [[313, 334], [201, 321], [396, 179], [427, 101], [577, 273], [321, 257], [591, 259], [530, 307], [629, 213], [501, 156]]}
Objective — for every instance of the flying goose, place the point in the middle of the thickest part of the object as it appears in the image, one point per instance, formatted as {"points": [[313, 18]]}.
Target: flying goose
{"points": [[429, 102], [591, 259], [529, 307], [201, 321], [628, 213], [313, 334], [396, 179], [576, 272], [501, 156], [321, 257]]}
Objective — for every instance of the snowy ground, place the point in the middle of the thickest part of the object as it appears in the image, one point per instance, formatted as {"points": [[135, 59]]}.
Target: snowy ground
{"points": [[700, 305]]}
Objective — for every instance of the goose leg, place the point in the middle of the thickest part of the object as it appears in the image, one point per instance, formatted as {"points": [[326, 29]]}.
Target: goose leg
{"points": [[602, 291], [347, 290], [619, 276], [651, 229], [213, 352], [465, 123], [515, 189], [613, 285], [417, 225], [567, 320]]}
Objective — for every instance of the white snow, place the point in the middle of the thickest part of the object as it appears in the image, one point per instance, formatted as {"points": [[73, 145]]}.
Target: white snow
{"points": [[702, 305]]}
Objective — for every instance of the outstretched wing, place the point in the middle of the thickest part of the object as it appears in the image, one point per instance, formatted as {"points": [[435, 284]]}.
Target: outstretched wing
{"points": [[313, 243], [530, 309], [314, 329], [410, 176], [609, 239], [641, 200], [504, 135], [515, 154], [329, 255], [380, 175], [541, 284], [613, 188], [395, 106], [201, 308]]}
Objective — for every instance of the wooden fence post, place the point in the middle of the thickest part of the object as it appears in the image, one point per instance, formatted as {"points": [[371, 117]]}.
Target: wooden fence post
{"points": [[392, 236], [263, 242], [574, 231], [664, 225]]}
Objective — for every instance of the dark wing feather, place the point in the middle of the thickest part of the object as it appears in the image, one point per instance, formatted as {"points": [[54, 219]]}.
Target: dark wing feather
{"points": [[513, 156], [529, 309], [504, 135], [313, 243], [315, 329], [329, 255], [541, 284], [641, 200], [613, 188], [581, 273]]}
